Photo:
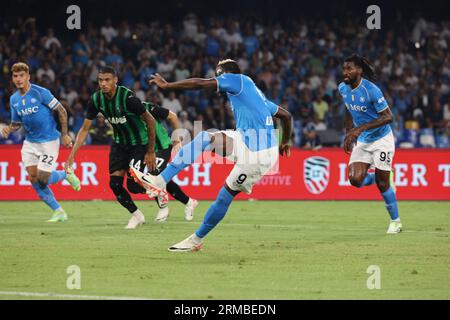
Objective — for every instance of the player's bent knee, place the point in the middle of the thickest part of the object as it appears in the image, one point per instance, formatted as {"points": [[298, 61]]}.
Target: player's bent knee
{"points": [[356, 181], [33, 179], [206, 136], [42, 180]]}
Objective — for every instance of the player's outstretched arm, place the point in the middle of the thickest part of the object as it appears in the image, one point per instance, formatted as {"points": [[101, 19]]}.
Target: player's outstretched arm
{"points": [[79, 141], [187, 84], [62, 114], [14, 126], [286, 123]]}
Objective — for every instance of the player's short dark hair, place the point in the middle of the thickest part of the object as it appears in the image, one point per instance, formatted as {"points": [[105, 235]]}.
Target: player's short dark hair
{"points": [[108, 69], [364, 64], [228, 66]]}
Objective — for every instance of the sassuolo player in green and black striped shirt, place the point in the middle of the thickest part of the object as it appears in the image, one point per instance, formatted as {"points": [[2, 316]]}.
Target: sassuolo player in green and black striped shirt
{"points": [[163, 149], [134, 137]]}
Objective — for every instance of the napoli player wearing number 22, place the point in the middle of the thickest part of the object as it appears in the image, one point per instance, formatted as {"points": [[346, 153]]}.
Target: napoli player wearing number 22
{"points": [[32, 108]]}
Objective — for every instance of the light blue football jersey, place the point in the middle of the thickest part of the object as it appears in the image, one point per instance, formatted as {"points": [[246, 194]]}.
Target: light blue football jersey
{"points": [[34, 111], [251, 109], [364, 103]]}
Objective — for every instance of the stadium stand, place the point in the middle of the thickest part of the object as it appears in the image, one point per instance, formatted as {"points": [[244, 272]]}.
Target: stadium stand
{"points": [[297, 65]]}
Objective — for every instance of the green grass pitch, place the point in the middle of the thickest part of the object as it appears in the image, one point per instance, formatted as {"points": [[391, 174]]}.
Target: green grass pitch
{"points": [[261, 250]]}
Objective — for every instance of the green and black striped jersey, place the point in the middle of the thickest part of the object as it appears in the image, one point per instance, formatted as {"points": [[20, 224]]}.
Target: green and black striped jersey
{"points": [[123, 112], [162, 138]]}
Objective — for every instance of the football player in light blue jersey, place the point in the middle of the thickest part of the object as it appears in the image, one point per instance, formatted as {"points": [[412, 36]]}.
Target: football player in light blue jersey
{"points": [[253, 146], [367, 120], [32, 108]]}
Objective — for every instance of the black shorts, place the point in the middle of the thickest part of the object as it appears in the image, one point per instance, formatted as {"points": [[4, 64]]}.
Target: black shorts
{"points": [[121, 156], [162, 159]]}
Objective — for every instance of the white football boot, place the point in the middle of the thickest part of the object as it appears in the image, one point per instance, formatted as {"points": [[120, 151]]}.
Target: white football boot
{"points": [[163, 212], [153, 184], [394, 227], [191, 243], [137, 219], [189, 209]]}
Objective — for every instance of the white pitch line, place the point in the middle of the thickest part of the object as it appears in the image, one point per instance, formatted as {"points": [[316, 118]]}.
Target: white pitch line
{"points": [[67, 296]]}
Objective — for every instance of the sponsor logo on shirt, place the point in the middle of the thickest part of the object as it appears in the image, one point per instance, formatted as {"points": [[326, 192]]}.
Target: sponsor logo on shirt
{"points": [[117, 120], [354, 107], [28, 111]]}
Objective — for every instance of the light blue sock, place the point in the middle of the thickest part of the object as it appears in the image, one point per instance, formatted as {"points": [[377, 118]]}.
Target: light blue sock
{"points": [[46, 195], [391, 203], [187, 155], [368, 180], [215, 213], [57, 176]]}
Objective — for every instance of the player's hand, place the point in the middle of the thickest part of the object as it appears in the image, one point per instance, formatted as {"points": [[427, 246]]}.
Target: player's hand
{"points": [[67, 141], [150, 161], [285, 149], [351, 136], [159, 81], [5, 132]]}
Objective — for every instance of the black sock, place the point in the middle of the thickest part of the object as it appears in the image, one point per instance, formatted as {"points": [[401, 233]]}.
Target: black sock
{"points": [[122, 195], [133, 187], [175, 191]]}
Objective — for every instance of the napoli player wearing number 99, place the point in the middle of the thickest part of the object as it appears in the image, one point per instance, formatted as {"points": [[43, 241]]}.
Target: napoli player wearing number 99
{"points": [[368, 111], [253, 146], [31, 108]]}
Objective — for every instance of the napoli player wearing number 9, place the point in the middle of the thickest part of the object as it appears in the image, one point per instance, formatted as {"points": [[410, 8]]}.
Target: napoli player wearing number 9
{"points": [[32, 108], [367, 119], [253, 146]]}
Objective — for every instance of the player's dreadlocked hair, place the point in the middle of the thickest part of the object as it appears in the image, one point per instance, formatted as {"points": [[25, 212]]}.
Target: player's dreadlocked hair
{"points": [[364, 64], [227, 66]]}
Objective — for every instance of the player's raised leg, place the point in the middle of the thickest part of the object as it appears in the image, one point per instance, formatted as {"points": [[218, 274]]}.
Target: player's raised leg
{"points": [[358, 176], [184, 158]]}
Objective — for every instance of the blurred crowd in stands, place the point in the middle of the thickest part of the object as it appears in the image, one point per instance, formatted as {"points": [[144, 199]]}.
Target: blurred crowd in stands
{"points": [[295, 64]]}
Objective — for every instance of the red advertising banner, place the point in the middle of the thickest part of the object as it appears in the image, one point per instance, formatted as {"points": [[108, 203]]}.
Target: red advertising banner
{"points": [[306, 175]]}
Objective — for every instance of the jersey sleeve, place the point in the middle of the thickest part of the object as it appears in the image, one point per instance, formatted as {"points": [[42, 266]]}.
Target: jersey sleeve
{"points": [[159, 112], [15, 117], [48, 99], [377, 98], [91, 112], [135, 105], [230, 83], [273, 108]]}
